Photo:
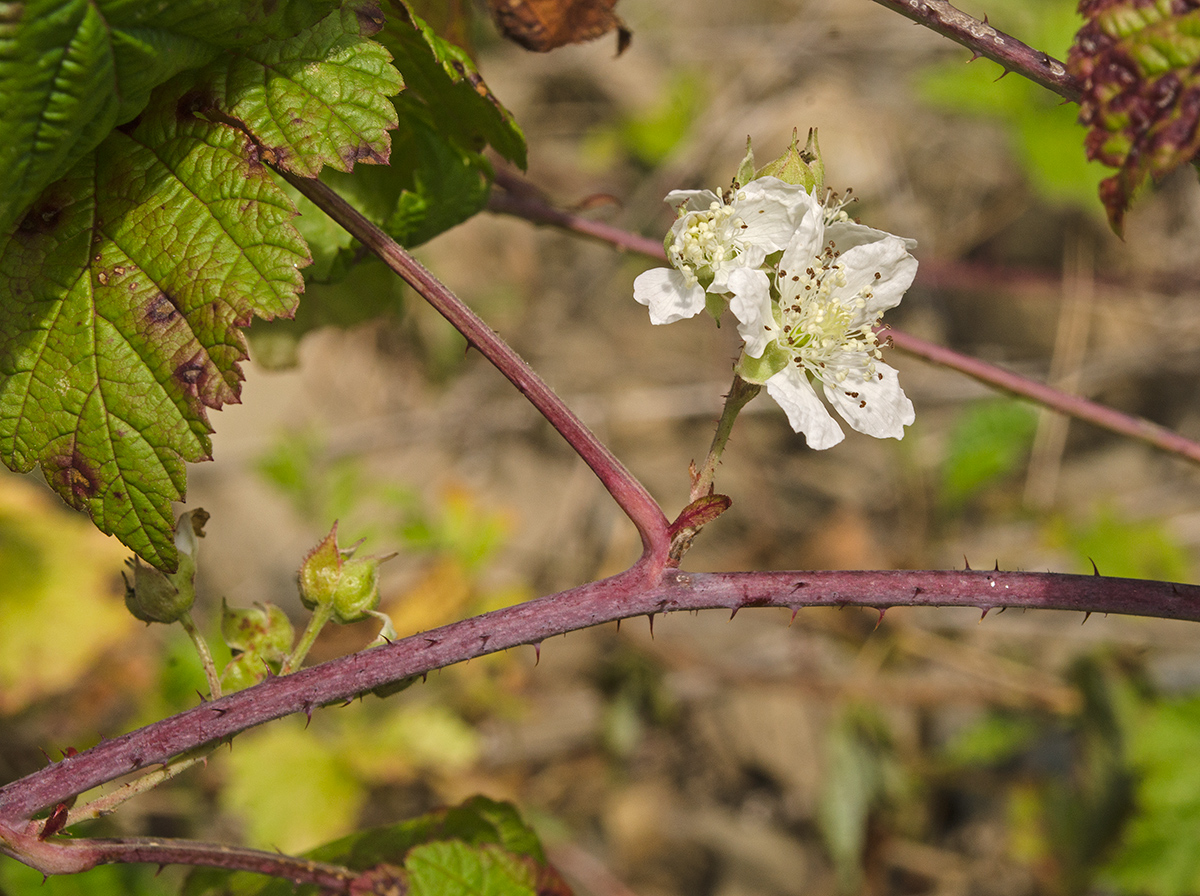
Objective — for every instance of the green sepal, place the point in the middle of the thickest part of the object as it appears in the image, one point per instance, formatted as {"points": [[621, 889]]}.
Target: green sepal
{"points": [[320, 572], [759, 370], [745, 172], [715, 304], [803, 167]]}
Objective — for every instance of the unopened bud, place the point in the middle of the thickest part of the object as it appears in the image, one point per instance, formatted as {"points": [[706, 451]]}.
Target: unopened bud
{"points": [[155, 596], [802, 167], [334, 577], [152, 596], [264, 630]]}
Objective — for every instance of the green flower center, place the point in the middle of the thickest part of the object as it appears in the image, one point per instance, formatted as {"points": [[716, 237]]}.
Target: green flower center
{"points": [[818, 321]]}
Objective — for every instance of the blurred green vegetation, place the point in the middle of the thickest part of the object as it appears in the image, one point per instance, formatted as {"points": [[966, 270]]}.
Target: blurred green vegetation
{"points": [[650, 135], [988, 444], [1132, 549], [1042, 129], [1106, 798]]}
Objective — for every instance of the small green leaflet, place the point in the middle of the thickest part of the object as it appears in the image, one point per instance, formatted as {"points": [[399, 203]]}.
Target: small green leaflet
{"points": [[128, 283], [72, 70]]}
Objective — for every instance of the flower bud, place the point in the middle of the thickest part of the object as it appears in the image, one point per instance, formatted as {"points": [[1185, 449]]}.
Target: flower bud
{"points": [[330, 576], [357, 590], [152, 596], [802, 167], [155, 596], [264, 630]]}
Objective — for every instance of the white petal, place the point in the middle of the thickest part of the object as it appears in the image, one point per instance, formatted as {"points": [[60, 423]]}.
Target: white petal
{"points": [[877, 407], [805, 245], [751, 305], [692, 200], [771, 210], [887, 257], [668, 294], [848, 234], [751, 257], [792, 391]]}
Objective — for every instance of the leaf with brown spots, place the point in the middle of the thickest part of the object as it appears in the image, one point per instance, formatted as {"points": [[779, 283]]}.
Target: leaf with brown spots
{"points": [[319, 99], [542, 25], [126, 288], [1139, 64], [128, 284], [71, 71]]}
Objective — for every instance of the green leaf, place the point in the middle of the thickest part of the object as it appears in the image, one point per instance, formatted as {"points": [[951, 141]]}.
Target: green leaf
{"points": [[446, 81], [1134, 549], [1158, 855], [125, 288], [1042, 129], [72, 70], [132, 278], [995, 738], [290, 789], [438, 176], [455, 869], [317, 99], [431, 185]]}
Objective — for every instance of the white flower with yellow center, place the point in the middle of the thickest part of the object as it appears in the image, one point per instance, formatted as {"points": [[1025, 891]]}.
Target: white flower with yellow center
{"points": [[715, 236], [817, 328]]}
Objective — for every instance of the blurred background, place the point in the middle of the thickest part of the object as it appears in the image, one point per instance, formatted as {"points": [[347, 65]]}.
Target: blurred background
{"points": [[936, 753]]}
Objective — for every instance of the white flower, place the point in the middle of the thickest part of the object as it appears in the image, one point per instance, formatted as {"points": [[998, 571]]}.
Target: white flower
{"points": [[716, 236], [833, 284]]}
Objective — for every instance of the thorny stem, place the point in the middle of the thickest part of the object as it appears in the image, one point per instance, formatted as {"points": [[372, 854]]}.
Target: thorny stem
{"points": [[984, 40], [1064, 402], [740, 394], [623, 596], [206, 660], [631, 496], [525, 204]]}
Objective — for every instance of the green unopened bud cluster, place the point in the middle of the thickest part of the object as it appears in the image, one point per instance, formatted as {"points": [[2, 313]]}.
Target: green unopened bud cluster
{"points": [[336, 585], [335, 579]]}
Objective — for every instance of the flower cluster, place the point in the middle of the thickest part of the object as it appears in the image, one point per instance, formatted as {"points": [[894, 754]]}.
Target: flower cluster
{"points": [[808, 287]]}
